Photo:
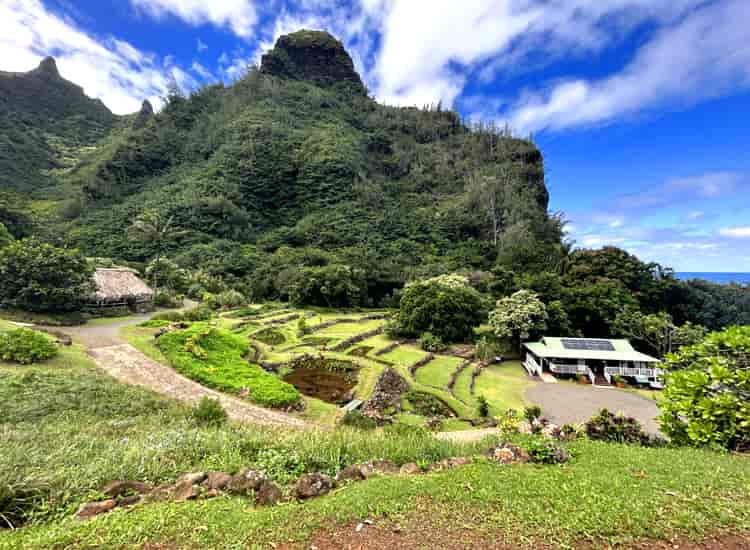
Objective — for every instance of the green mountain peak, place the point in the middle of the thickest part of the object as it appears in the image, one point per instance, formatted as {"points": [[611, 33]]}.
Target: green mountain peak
{"points": [[316, 56]]}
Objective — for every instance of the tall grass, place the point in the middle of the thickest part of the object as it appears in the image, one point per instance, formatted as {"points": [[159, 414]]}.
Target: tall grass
{"points": [[65, 433]]}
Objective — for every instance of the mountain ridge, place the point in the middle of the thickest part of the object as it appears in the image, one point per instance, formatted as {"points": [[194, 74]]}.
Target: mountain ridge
{"points": [[293, 166]]}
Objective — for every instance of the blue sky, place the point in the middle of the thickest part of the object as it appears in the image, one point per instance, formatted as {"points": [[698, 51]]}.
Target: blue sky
{"points": [[641, 107]]}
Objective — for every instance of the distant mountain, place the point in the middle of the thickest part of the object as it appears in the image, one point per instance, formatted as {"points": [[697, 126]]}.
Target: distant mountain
{"points": [[45, 121], [291, 166]]}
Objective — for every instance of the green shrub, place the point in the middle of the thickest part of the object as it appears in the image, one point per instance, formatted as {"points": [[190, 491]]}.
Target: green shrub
{"points": [[271, 336], [225, 300], [198, 313], [26, 346], [617, 428], [166, 299], [706, 397], [488, 348], [168, 316], [430, 342], [444, 306], [209, 412], [427, 404], [303, 328], [483, 406], [215, 358], [154, 323], [532, 413], [543, 451], [356, 419]]}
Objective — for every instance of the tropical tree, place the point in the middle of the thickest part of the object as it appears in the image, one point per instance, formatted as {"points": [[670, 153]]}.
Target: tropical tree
{"points": [[707, 397], [5, 236], [151, 227], [515, 317], [40, 277], [656, 331], [446, 306]]}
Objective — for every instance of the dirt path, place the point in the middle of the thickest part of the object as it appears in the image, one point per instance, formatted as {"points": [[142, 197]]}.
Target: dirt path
{"points": [[100, 334], [127, 364]]}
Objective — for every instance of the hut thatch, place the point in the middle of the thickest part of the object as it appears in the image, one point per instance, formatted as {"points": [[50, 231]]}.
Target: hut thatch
{"points": [[120, 286]]}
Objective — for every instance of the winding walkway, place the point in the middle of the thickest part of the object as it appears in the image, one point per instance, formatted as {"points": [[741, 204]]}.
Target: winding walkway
{"points": [[126, 364]]}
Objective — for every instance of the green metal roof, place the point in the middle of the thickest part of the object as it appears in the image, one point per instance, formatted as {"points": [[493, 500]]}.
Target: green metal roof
{"points": [[553, 348]]}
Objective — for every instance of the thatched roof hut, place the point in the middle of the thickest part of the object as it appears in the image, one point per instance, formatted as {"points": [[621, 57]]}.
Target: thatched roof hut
{"points": [[116, 286]]}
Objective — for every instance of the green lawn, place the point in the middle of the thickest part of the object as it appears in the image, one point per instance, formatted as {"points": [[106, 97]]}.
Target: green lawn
{"points": [[461, 388], [438, 371], [503, 386], [404, 355], [609, 494]]}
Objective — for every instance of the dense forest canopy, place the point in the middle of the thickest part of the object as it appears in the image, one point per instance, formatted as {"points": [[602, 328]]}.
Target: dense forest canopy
{"points": [[293, 184]]}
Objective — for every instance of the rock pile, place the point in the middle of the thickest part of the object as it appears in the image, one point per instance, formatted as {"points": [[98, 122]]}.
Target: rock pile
{"points": [[189, 486], [389, 388], [255, 484]]}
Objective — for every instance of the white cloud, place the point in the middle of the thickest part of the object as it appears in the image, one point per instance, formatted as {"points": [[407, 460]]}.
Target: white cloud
{"points": [[109, 69], [186, 82], [424, 48], [202, 46], [237, 15], [698, 58], [739, 232], [202, 71], [711, 185]]}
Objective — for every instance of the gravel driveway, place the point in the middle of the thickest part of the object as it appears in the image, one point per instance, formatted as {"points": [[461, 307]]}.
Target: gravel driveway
{"points": [[568, 403]]}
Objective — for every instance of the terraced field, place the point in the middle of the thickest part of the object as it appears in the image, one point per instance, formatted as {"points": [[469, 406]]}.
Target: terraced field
{"points": [[284, 334]]}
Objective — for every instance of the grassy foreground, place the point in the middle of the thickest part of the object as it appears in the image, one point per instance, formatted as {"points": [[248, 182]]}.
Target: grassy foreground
{"points": [[66, 430], [608, 494]]}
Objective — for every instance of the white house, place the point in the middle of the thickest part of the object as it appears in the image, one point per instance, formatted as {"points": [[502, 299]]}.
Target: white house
{"points": [[598, 359]]}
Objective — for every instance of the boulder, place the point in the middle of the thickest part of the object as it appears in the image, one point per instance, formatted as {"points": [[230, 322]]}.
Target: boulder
{"points": [[410, 469], [383, 467], [267, 494], [508, 453], [184, 490], [353, 472], [313, 485], [119, 488], [217, 480], [90, 509], [192, 478], [124, 502], [244, 481]]}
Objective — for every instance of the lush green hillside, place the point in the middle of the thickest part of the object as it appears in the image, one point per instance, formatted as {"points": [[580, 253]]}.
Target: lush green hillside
{"points": [[293, 184], [295, 155], [47, 122]]}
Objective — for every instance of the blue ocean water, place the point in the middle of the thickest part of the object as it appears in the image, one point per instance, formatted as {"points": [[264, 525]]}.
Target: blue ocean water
{"points": [[715, 277]]}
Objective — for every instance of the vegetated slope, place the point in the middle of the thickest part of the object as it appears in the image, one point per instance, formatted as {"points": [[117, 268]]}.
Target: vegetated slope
{"points": [[296, 162], [44, 121]]}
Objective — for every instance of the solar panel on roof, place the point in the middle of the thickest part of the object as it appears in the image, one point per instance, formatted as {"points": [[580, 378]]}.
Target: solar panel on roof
{"points": [[587, 344]]}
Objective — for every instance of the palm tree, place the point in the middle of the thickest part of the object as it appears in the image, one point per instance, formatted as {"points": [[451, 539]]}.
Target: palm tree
{"points": [[152, 227]]}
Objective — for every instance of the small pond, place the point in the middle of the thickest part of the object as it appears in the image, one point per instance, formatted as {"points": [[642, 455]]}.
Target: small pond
{"points": [[329, 385], [330, 380]]}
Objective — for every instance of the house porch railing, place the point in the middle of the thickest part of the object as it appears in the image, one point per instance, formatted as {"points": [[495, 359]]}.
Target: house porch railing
{"points": [[633, 371], [532, 366], [572, 369]]}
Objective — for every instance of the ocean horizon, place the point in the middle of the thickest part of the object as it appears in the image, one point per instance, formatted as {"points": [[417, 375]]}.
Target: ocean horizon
{"points": [[720, 277]]}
